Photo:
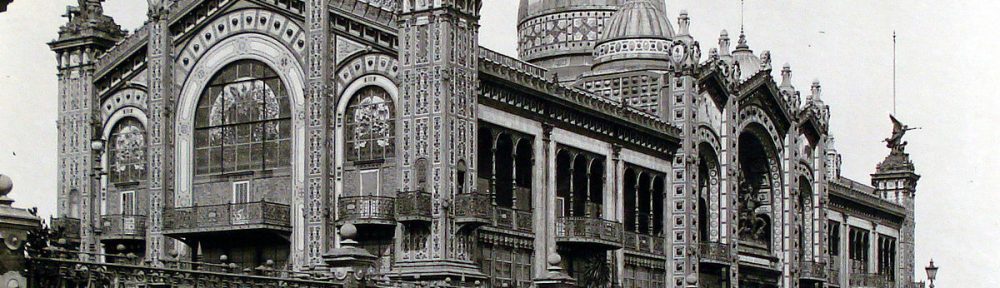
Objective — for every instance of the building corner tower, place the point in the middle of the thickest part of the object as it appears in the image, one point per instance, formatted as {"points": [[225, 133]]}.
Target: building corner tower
{"points": [[439, 54], [895, 180], [87, 34]]}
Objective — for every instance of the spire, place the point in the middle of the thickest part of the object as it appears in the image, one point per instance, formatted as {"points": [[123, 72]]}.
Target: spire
{"points": [[742, 43]]}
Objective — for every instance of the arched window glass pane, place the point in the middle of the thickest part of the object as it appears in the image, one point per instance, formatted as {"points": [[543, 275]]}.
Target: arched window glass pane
{"points": [[243, 121], [127, 151], [370, 130]]}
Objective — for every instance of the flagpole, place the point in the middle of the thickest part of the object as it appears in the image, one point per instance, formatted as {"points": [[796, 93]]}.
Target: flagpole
{"points": [[894, 72]]}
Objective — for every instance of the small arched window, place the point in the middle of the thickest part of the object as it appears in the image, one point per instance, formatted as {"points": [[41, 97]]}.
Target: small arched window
{"points": [[127, 151], [243, 121], [370, 131]]}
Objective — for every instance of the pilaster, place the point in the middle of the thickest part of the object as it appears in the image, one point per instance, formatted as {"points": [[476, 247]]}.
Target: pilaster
{"points": [[319, 139], [161, 103]]}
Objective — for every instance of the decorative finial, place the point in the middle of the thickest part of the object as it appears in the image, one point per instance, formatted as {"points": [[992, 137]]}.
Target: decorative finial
{"points": [[816, 91], [786, 75], [6, 185], [724, 43], [684, 23], [348, 232], [742, 43]]}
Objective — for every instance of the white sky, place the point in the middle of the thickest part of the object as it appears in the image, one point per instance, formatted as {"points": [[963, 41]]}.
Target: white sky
{"points": [[946, 65]]}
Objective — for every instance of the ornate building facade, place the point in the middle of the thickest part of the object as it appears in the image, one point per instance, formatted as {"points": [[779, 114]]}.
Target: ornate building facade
{"points": [[612, 151]]}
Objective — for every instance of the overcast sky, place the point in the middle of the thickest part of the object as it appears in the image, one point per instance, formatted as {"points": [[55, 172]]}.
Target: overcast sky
{"points": [[947, 66]]}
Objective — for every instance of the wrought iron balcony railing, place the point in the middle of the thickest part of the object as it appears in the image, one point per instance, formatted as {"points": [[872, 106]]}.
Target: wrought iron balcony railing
{"points": [[870, 280], [367, 210], [123, 227], [511, 219], [595, 232], [716, 253], [813, 271], [644, 243], [473, 208], [413, 206], [227, 217]]}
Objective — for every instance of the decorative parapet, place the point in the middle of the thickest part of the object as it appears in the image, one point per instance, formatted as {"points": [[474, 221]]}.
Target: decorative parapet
{"points": [[535, 77], [123, 227], [413, 206], [46, 272], [714, 252], [367, 210], [227, 217], [589, 231], [863, 194], [473, 208], [130, 44], [643, 243]]}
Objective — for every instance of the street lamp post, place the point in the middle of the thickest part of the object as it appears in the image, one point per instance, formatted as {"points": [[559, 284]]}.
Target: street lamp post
{"points": [[97, 145], [931, 272]]}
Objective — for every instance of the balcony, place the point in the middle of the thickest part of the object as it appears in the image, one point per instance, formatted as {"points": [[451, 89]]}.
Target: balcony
{"points": [[413, 207], [813, 271], [123, 227], [644, 243], [833, 277], [473, 209], [513, 220], [69, 227], [589, 232], [715, 253], [367, 210], [870, 280], [194, 221]]}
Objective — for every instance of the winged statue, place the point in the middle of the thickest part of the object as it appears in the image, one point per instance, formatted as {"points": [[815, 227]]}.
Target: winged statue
{"points": [[895, 142]]}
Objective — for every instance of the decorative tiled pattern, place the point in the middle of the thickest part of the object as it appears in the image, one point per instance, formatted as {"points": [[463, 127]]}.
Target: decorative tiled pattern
{"points": [[561, 33]]}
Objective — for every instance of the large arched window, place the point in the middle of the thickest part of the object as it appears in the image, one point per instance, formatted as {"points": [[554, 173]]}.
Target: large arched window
{"points": [[370, 130], [243, 121], [127, 151]]}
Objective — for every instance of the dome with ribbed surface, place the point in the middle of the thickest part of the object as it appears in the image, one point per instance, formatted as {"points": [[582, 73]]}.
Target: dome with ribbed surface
{"points": [[638, 36], [638, 19]]}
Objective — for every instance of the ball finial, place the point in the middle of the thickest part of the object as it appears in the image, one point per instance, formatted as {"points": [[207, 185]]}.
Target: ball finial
{"points": [[554, 259], [348, 231], [6, 184], [691, 279]]}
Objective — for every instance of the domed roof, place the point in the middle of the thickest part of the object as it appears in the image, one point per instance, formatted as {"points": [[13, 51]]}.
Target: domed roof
{"points": [[749, 63], [638, 19], [532, 8]]}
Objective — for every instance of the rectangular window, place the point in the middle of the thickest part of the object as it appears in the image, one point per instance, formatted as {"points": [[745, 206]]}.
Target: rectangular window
{"points": [[241, 192], [128, 203], [560, 207], [369, 183]]}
